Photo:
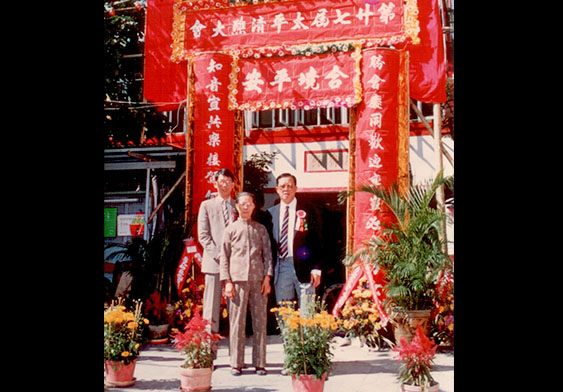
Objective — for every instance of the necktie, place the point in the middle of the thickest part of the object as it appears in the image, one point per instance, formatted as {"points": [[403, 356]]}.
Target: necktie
{"points": [[226, 213], [283, 238]]}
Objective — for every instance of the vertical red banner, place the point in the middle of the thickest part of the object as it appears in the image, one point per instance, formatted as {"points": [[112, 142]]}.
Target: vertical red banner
{"points": [[377, 139], [214, 123]]}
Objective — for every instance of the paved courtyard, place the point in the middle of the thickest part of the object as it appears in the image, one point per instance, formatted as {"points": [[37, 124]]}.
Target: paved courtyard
{"points": [[355, 369]]}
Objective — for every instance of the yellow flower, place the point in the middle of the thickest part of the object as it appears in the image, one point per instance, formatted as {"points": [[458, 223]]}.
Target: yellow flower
{"points": [[293, 324], [125, 354], [132, 325], [137, 346], [225, 313], [146, 321], [451, 327]]}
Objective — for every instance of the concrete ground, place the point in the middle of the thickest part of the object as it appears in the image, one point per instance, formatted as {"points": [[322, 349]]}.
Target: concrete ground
{"points": [[355, 369]]}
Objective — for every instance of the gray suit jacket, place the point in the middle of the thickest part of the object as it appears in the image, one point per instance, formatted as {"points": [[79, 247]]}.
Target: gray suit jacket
{"points": [[210, 228]]}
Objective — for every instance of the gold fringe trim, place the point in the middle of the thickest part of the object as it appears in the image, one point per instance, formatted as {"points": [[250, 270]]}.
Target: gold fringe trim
{"points": [[404, 124], [410, 21]]}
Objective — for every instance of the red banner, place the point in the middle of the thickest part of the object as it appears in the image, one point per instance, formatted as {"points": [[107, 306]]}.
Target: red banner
{"points": [[297, 82], [289, 22], [376, 282], [377, 138], [427, 64], [191, 253], [214, 123], [164, 81]]}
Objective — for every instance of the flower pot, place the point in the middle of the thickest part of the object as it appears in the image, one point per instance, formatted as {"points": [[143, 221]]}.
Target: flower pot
{"points": [[415, 388], [158, 333], [307, 383], [195, 379], [118, 374], [405, 322]]}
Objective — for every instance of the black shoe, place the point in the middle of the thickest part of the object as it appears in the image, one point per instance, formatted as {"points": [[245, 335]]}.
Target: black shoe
{"points": [[261, 371], [236, 371]]}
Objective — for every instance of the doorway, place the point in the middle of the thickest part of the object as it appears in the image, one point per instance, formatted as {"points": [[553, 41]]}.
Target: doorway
{"points": [[332, 226]]}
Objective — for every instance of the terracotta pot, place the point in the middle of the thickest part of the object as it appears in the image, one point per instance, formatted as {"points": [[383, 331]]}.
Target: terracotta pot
{"points": [[118, 374], [195, 379], [406, 321], [308, 383], [414, 388]]}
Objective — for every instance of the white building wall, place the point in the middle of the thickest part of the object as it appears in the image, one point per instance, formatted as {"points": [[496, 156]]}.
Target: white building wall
{"points": [[291, 158]]}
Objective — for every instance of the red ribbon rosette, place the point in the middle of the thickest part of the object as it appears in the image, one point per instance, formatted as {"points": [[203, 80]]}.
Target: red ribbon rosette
{"points": [[301, 224]]}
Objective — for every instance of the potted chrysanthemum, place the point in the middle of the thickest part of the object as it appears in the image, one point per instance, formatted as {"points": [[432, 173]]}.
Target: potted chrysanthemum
{"points": [[306, 344], [416, 357], [123, 331], [197, 344]]}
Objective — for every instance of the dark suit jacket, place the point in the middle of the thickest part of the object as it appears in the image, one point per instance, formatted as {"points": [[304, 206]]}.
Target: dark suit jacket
{"points": [[305, 244]]}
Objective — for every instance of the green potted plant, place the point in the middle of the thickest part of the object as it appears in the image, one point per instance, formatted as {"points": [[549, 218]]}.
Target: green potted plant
{"points": [[409, 251], [416, 357], [197, 344], [123, 330], [306, 344]]}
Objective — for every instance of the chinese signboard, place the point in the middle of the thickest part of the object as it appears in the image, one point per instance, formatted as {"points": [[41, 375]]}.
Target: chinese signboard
{"points": [[377, 138], [214, 123], [110, 222], [297, 82], [199, 26]]}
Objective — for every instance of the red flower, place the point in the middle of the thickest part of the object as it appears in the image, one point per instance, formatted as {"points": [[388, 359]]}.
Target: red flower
{"points": [[421, 350]]}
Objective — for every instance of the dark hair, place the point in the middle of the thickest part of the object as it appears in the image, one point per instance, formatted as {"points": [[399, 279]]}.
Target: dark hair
{"points": [[241, 194], [226, 173], [286, 175]]}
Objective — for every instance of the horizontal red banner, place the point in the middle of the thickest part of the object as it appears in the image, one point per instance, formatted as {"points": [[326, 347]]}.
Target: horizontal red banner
{"points": [[298, 82], [290, 23]]}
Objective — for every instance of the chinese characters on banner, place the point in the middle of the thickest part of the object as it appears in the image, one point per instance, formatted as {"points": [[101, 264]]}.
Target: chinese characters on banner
{"points": [[297, 82], [377, 131], [296, 22], [214, 123]]}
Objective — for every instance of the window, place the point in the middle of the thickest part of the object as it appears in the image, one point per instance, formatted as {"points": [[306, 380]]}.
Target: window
{"points": [[287, 118]]}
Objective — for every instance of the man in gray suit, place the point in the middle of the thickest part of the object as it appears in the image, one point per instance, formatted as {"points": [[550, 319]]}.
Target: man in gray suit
{"points": [[213, 217]]}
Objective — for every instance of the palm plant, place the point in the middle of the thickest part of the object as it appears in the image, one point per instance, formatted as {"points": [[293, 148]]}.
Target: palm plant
{"points": [[409, 250]]}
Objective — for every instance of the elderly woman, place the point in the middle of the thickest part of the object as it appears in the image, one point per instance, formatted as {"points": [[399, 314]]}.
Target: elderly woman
{"points": [[245, 265]]}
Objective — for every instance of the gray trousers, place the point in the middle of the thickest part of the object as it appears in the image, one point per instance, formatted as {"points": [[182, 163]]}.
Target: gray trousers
{"points": [[212, 300], [287, 285], [248, 293]]}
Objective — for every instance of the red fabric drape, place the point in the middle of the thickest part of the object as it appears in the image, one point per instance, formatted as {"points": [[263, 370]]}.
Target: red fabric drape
{"points": [[427, 65], [164, 81]]}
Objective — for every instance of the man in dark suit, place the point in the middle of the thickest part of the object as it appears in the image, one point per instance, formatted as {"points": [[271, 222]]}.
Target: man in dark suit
{"points": [[297, 270]]}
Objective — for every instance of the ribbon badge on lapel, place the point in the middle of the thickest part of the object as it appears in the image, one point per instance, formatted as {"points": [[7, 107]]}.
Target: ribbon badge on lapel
{"points": [[300, 222]]}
